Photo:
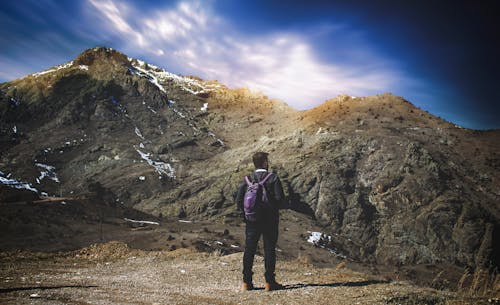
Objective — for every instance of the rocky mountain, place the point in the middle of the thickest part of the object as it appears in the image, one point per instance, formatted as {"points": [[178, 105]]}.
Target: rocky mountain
{"points": [[388, 182]]}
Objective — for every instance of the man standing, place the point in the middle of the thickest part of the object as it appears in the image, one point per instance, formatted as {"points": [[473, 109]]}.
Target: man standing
{"points": [[266, 224]]}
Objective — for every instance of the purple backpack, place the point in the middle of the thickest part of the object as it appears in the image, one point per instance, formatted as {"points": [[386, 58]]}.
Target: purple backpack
{"points": [[255, 198]]}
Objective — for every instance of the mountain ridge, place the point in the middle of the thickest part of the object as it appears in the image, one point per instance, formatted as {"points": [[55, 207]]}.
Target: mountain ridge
{"points": [[389, 182], [107, 55]]}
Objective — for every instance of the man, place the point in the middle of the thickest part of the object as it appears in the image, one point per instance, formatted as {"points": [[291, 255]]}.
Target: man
{"points": [[266, 225]]}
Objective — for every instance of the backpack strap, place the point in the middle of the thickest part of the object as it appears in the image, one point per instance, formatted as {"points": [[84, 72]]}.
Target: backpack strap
{"points": [[250, 183], [265, 179]]}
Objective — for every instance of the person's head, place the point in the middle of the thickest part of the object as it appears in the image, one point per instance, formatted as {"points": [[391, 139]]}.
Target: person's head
{"points": [[260, 160]]}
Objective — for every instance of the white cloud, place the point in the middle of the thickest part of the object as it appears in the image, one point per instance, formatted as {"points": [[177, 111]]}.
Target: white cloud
{"points": [[116, 16], [192, 39]]}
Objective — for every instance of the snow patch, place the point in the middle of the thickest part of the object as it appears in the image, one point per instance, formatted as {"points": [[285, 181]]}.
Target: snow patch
{"points": [[180, 114], [138, 133], [324, 241], [155, 74], [149, 75], [146, 222], [204, 108], [217, 142], [5, 180], [321, 131], [63, 66], [162, 168], [49, 172], [83, 67], [315, 237]]}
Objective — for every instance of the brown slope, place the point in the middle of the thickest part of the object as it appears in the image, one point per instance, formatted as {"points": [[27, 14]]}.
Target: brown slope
{"points": [[385, 110]]}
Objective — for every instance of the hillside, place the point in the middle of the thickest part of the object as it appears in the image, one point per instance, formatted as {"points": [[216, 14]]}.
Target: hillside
{"points": [[390, 183]]}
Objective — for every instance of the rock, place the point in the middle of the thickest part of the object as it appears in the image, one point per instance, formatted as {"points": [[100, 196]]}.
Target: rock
{"points": [[10, 194], [183, 143]]}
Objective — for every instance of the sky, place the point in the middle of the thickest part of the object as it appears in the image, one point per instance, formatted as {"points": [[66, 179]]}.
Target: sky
{"points": [[442, 56]]}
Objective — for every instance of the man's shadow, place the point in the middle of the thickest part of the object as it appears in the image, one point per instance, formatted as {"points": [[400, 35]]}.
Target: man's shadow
{"points": [[341, 284], [344, 284], [13, 289]]}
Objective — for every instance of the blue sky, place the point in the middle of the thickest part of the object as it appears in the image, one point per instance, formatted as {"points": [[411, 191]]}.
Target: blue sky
{"points": [[440, 55]]}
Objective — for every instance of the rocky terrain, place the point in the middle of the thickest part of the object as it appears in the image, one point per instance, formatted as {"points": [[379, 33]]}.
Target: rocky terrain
{"points": [[387, 183], [112, 273]]}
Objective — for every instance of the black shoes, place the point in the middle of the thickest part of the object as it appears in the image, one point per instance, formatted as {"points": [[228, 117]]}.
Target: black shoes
{"points": [[273, 286], [269, 286]]}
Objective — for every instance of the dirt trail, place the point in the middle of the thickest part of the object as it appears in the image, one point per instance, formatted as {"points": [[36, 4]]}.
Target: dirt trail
{"points": [[112, 273]]}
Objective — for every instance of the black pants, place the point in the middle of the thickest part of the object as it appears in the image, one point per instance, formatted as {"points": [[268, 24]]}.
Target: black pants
{"points": [[269, 233]]}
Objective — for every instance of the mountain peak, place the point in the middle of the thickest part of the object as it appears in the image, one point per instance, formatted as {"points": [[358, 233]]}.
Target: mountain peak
{"points": [[101, 55]]}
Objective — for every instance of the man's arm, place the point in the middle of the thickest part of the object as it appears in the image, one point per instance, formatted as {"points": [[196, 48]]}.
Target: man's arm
{"points": [[279, 195]]}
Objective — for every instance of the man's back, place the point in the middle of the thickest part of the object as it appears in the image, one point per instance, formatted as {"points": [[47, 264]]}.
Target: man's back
{"points": [[274, 192]]}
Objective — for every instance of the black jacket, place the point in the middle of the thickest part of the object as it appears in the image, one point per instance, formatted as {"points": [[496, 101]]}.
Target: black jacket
{"points": [[274, 191]]}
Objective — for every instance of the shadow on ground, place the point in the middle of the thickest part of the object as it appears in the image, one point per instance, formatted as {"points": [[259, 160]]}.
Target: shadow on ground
{"points": [[346, 284], [7, 290]]}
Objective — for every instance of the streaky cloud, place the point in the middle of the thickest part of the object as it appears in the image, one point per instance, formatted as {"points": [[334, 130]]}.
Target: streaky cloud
{"points": [[192, 39]]}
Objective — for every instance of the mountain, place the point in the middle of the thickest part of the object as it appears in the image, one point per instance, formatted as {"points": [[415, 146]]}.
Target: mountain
{"points": [[389, 183]]}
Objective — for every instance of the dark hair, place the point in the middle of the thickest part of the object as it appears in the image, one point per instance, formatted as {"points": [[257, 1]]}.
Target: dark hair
{"points": [[259, 158]]}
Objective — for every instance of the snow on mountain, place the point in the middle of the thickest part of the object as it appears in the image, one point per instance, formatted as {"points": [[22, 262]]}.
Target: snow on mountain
{"points": [[162, 168], [156, 75], [56, 68], [47, 171], [16, 184]]}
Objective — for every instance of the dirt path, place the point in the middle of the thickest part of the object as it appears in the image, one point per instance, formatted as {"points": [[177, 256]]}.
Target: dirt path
{"points": [[114, 274]]}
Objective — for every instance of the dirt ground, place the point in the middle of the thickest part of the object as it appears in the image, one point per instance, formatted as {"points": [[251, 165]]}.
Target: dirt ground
{"points": [[112, 273]]}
